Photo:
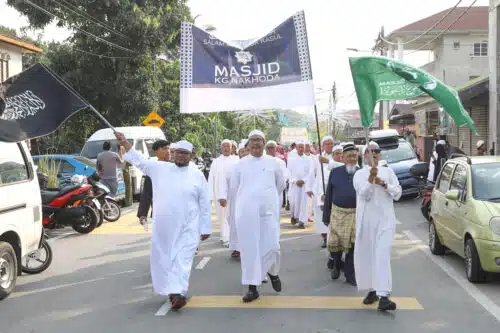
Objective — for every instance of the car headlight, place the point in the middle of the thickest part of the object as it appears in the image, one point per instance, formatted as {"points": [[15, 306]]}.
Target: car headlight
{"points": [[495, 225]]}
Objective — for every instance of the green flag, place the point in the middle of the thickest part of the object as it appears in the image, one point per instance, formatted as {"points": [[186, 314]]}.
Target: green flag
{"points": [[379, 78]]}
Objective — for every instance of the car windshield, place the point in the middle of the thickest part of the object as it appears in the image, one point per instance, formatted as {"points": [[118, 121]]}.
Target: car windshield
{"points": [[149, 145], [85, 161], [401, 152], [486, 181], [93, 148]]}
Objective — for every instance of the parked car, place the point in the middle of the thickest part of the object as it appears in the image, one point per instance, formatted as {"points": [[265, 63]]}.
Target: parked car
{"points": [[400, 157], [21, 231], [465, 214], [141, 138], [70, 165]]}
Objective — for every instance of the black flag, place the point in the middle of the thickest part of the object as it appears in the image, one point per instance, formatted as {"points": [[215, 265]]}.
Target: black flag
{"points": [[37, 102]]}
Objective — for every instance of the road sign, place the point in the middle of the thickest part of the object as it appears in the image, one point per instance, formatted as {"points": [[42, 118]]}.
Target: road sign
{"points": [[154, 120]]}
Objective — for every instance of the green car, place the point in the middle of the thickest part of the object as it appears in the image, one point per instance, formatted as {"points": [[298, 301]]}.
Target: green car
{"points": [[465, 214]]}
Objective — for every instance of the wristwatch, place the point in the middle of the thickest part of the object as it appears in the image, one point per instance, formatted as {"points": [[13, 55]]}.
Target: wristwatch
{"points": [[384, 185]]}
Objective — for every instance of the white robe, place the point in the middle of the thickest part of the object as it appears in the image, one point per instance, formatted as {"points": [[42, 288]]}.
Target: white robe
{"points": [[375, 227], [226, 194], [286, 175], [256, 183], [218, 171], [181, 214], [299, 168], [314, 185]]}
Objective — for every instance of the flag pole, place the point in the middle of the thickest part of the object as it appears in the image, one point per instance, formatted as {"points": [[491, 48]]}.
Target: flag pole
{"points": [[319, 145], [102, 118]]}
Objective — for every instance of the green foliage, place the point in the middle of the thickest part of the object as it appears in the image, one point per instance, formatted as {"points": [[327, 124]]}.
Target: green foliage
{"points": [[50, 169]]}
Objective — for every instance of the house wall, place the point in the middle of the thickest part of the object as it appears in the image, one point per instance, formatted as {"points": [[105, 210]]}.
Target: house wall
{"points": [[16, 58], [456, 66]]}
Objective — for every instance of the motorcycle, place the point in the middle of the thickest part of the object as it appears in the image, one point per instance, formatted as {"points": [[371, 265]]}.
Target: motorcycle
{"points": [[42, 257], [425, 206], [420, 171], [107, 206], [69, 205]]}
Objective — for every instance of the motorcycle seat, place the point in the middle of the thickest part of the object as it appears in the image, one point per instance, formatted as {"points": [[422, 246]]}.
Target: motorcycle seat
{"points": [[49, 195]]}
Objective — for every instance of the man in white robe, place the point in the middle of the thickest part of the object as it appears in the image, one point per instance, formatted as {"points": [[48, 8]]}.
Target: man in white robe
{"points": [[376, 189], [314, 185], [299, 168], [271, 151], [218, 170], [181, 218], [257, 181]]}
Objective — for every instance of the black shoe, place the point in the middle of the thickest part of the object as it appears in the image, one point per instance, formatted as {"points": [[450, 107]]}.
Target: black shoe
{"points": [[385, 304], [370, 298], [287, 208], [275, 282], [250, 296], [301, 225], [335, 273], [330, 263], [178, 302], [323, 245], [293, 221]]}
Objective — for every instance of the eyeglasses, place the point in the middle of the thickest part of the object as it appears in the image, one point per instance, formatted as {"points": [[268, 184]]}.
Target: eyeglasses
{"points": [[374, 151]]}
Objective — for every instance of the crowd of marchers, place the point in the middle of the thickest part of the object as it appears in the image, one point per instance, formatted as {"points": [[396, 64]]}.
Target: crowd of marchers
{"points": [[350, 202]]}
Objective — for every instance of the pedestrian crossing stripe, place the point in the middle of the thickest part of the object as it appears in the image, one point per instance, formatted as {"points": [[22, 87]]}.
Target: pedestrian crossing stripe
{"points": [[297, 302]]}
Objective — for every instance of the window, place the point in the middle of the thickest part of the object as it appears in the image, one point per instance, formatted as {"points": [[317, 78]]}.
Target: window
{"points": [[13, 168], [4, 68], [63, 167], [93, 148], [149, 146], [480, 49], [456, 45], [486, 182], [444, 179], [139, 146], [459, 181]]}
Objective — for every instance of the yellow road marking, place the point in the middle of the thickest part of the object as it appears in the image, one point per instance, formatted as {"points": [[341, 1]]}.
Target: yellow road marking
{"points": [[297, 302]]}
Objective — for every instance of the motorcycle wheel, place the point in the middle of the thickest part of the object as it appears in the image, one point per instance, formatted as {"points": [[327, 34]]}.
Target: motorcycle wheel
{"points": [[45, 263], [425, 209], [112, 211], [89, 221]]}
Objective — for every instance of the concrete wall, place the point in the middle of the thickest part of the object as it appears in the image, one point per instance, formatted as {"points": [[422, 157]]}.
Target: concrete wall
{"points": [[16, 58]]}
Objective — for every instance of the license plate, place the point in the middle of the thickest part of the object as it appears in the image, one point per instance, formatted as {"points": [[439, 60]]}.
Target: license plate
{"points": [[97, 203]]}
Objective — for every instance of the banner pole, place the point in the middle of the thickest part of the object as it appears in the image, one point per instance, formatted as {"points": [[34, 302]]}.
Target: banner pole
{"points": [[319, 145], [102, 117]]}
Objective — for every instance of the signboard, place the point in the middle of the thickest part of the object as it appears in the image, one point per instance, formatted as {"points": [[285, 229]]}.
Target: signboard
{"points": [[154, 120], [291, 134]]}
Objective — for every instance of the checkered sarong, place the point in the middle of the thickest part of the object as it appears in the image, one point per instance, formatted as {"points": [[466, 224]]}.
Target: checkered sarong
{"points": [[342, 229]]}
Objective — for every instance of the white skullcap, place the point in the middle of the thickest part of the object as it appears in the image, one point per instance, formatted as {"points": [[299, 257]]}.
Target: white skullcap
{"points": [[343, 144], [257, 133], [371, 144], [226, 141], [300, 142], [234, 143], [184, 145], [173, 145], [241, 145], [307, 142], [326, 138], [271, 143], [337, 147], [441, 142], [479, 143]]}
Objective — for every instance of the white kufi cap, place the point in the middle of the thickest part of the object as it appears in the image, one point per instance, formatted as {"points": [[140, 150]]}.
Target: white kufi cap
{"points": [[337, 147], [479, 143], [372, 144], [184, 145], [257, 132], [441, 142], [326, 138], [271, 143], [226, 141]]}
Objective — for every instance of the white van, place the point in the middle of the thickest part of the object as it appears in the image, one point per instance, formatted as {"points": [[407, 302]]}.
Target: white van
{"points": [[141, 138], [20, 212]]}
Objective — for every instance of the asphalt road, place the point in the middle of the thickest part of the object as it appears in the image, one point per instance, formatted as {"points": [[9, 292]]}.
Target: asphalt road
{"points": [[100, 283]]}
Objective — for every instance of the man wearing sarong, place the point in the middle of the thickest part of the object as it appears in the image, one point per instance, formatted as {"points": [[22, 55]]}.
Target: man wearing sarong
{"points": [[339, 213]]}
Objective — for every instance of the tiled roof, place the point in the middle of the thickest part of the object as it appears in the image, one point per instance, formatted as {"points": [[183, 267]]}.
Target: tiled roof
{"points": [[17, 42], [476, 18]]}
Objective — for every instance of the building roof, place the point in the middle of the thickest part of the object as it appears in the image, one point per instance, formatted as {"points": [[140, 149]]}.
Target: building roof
{"points": [[19, 43], [476, 18]]}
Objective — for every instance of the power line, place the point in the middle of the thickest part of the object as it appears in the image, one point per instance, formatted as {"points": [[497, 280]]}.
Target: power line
{"points": [[444, 31], [81, 30], [425, 32], [69, 7], [102, 55]]}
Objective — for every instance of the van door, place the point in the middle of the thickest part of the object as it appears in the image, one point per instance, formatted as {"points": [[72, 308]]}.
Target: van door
{"points": [[16, 193]]}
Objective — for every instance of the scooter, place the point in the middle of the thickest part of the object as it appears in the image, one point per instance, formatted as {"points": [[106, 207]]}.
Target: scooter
{"points": [[69, 205], [425, 206], [108, 207], [425, 187]]}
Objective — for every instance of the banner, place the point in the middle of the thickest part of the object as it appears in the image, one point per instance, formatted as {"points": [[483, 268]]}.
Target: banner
{"points": [[272, 72], [291, 134], [379, 78], [37, 102]]}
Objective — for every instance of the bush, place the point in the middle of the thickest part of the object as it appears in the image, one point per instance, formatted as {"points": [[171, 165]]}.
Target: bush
{"points": [[50, 168]]}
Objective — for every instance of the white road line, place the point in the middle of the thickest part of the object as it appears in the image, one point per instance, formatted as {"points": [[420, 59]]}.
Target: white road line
{"points": [[203, 263], [468, 287], [164, 309]]}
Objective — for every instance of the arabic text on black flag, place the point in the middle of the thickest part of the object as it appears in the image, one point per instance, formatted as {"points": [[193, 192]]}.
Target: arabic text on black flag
{"points": [[37, 102]]}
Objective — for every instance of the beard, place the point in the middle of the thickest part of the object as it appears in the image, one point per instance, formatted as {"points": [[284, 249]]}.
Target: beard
{"points": [[351, 168]]}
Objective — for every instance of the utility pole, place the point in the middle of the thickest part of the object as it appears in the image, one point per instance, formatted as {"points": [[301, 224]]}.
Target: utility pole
{"points": [[333, 107], [494, 64]]}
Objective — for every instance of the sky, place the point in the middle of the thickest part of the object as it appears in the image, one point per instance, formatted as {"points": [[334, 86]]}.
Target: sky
{"points": [[332, 26]]}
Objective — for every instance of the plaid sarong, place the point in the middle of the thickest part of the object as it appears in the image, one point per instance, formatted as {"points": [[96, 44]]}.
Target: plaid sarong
{"points": [[342, 229]]}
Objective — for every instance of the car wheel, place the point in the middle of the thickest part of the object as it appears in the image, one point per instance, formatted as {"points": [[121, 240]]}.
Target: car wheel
{"points": [[8, 269], [435, 244], [473, 268]]}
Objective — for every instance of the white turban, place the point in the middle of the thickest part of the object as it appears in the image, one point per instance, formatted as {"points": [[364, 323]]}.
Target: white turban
{"points": [[372, 144], [257, 133], [226, 141], [271, 143], [441, 142], [338, 147], [327, 138], [479, 143], [184, 145]]}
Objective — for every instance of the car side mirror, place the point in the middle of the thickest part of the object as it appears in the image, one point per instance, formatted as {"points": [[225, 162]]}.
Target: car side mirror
{"points": [[453, 195]]}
